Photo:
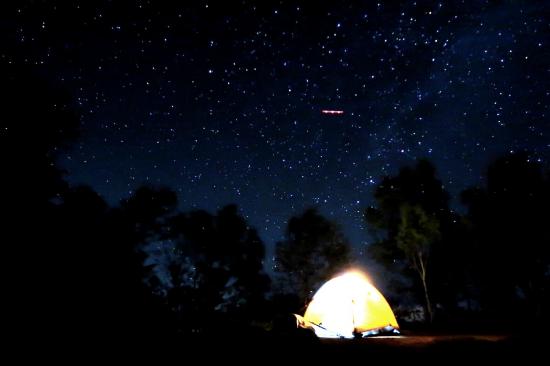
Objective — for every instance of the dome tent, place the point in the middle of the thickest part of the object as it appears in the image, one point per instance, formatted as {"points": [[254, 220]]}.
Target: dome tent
{"points": [[348, 306]]}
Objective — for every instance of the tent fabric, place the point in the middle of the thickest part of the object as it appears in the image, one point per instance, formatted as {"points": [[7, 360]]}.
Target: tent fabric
{"points": [[348, 305]]}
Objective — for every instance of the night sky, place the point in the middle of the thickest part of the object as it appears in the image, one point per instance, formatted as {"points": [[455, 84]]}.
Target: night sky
{"points": [[223, 104]]}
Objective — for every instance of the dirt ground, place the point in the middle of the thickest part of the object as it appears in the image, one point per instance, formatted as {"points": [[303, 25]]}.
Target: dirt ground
{"points": [[439, 347], [305, 348]]}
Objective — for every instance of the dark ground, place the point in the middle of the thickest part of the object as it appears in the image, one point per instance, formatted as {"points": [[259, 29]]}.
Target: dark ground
{"points": [[300, 348], [443, 348]]}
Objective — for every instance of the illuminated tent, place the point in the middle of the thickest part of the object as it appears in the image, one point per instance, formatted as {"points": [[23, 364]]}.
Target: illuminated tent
{"points": [[348, 306]]}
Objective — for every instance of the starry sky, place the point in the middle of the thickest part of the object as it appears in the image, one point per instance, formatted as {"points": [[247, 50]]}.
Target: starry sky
{"points": [[222, 100]]}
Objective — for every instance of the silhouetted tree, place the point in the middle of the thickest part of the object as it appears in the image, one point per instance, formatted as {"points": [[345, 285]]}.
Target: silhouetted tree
{"points": [[76, 237], [508, 222], [141, 219], [417, 232], [74, 258], [82, 267], [314, 249], [37, 123], [411, 224], [215, 271]]}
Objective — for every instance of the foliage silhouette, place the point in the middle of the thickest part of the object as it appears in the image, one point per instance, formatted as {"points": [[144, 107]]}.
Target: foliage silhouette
{"points": [[417, 232], [314, 249], [510, 242], [37, 124], [215, 271], [412, 219]]}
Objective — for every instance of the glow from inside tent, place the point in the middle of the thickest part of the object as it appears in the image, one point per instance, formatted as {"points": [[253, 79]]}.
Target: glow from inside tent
{"points": [[348, 304]]}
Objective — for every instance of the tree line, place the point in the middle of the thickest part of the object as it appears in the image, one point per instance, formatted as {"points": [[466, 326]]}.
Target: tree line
{"points": [[491, 261]]}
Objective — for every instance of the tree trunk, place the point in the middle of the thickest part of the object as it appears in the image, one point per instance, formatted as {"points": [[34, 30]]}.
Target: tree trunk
{"points": [[428, 302], [425, 286]]}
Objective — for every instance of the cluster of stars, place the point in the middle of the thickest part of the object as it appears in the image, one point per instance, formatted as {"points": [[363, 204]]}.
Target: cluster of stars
{"points": [[223, 103]]}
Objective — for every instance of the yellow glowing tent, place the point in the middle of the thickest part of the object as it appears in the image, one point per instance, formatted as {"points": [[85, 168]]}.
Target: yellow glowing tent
{"points": [[347, 306]]}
